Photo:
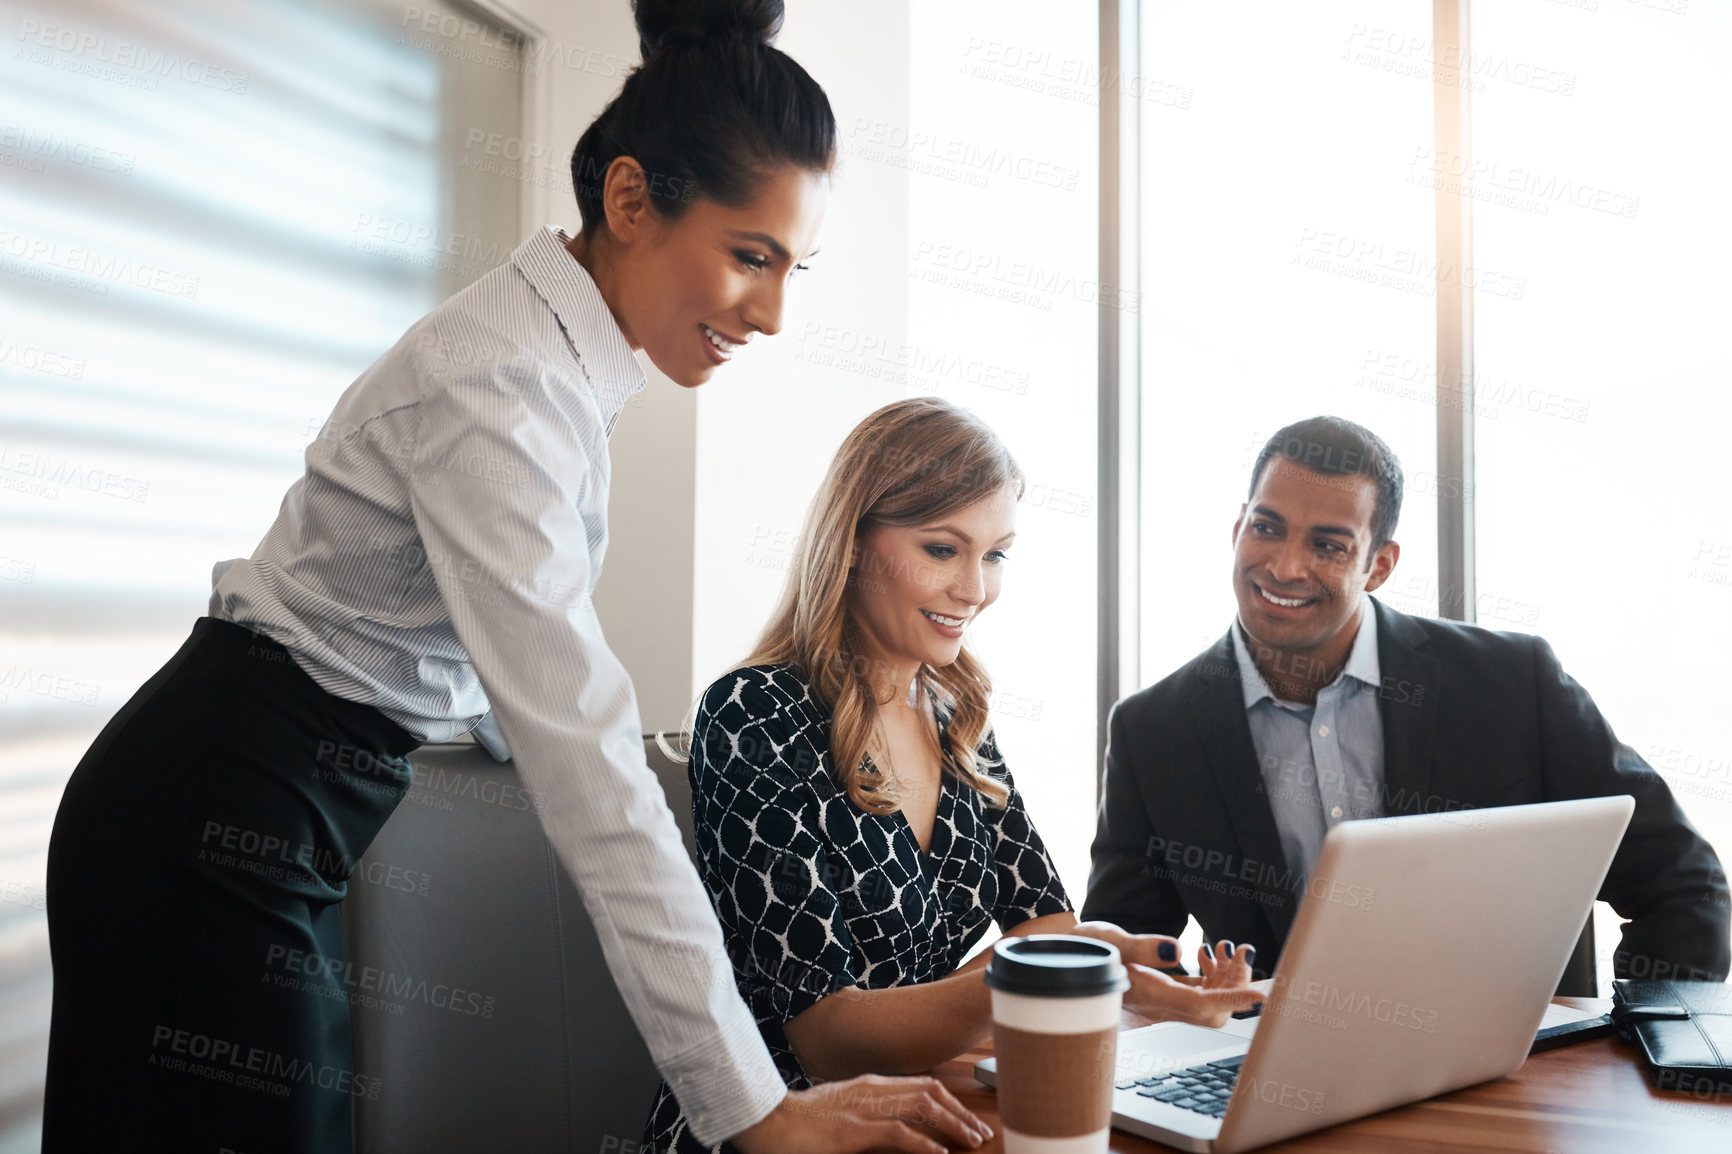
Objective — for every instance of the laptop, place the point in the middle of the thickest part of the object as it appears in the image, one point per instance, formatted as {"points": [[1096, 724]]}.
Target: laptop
{"points": [[1423, 959]]}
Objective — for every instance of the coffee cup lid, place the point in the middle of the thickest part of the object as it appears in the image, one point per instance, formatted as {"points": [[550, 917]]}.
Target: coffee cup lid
{"points": [[1055, 966]]}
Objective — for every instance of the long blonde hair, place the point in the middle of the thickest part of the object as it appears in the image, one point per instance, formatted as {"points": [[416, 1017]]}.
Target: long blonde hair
{"points": [[910, 463]]}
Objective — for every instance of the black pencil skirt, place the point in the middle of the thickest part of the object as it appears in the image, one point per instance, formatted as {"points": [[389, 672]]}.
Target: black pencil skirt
{"points": [[195, 872]]}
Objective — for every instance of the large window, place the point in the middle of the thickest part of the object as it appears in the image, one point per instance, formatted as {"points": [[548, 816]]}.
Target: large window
{"points": [[1291, 268], [212, 217], [1605, 389], [1287, 241]]}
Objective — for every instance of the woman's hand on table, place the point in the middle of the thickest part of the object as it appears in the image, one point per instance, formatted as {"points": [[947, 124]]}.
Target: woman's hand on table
{"points": [[865, 1113]]}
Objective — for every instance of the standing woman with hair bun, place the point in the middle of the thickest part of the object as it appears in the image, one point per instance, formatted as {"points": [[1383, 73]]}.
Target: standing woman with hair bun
{"points": [[430, 575]]}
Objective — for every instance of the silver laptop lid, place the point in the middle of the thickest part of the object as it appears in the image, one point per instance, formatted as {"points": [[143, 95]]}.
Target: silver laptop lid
{"points": [[1423, 957]]}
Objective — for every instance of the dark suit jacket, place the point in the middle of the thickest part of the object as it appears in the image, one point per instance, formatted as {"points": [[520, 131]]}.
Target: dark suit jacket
{"points": [[1471, 719]]}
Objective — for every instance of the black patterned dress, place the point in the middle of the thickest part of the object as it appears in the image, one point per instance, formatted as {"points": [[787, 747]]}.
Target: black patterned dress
{"points": [[814, 894]]}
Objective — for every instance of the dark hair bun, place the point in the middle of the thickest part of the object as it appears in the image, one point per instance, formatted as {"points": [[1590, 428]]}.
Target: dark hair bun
{"points": [[712, 109], [664, 22]]}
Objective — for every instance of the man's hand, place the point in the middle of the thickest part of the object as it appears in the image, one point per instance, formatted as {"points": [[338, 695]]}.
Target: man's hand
{"points": [[865, 1113]]}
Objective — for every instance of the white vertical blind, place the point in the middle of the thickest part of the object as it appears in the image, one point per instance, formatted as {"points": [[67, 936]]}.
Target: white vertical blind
{"points": [[213, 215]]}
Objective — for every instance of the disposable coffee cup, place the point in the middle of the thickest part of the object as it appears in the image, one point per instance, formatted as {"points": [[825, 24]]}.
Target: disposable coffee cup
{"points": [[1055, 1029]]}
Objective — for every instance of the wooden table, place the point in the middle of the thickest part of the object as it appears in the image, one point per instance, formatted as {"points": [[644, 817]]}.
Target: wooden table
{"points": [[1581, 1099]]}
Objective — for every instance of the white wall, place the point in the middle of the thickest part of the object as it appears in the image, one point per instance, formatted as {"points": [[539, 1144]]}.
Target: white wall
{"points": [[1004, 308], [704, 480], [710, 486], [767, 432]]}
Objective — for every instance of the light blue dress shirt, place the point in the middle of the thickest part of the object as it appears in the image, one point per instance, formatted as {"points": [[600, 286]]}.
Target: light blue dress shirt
{"points": [[1323, 764]]}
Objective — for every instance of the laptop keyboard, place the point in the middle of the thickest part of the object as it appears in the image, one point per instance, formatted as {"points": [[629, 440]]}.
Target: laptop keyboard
{"points": [[1205, 1089]]}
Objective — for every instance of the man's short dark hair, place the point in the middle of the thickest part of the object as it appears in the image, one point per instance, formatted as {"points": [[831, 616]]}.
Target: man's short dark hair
{"points": [[1333, 447]]}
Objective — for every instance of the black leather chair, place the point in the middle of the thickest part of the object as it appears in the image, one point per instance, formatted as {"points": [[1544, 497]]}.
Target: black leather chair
{"points": [[480, 997]]}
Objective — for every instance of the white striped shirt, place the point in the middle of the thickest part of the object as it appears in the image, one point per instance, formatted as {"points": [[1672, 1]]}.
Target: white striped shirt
{"points": [[437, 558]]}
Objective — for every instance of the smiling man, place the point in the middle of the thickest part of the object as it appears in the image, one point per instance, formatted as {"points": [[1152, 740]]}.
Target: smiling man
{"points": [[1322, 705]]}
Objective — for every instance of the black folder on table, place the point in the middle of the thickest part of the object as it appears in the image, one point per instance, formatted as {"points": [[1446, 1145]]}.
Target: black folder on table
{"points": [[1684, 1030]]}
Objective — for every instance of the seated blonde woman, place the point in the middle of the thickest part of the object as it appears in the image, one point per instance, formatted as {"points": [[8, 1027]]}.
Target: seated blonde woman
{"points": [[857, 829]]}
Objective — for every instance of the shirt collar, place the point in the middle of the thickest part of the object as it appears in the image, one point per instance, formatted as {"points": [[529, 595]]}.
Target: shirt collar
{"points": [[590, 328], [1362, 663]]}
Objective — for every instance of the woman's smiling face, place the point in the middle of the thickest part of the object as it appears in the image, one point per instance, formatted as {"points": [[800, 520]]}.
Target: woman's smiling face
{"points": [[916, 588], [693, 290]]}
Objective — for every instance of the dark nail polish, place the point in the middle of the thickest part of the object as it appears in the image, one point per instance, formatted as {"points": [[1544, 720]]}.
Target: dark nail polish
{"points": [[1250, 955], [1209, 951], [1227, 948], [1169, 951]]}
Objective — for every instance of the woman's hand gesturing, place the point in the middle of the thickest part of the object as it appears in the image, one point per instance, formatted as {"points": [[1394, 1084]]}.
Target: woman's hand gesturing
{"points": [[1224, 988], [1207, 1001], [1223, 967]]}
